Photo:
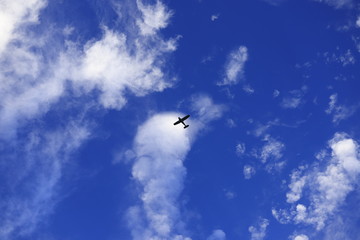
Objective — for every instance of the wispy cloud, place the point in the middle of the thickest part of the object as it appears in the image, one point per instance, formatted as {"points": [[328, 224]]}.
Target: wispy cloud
{"points": [[276, 93], [248, 89], [337, 3], [327, 186], [339, 112], [272, 149], [160, 149], [343, 58], [234, 68], [240, 149], [214, 17], [249, 171], [34, 175], [154, 17], [259, 232], [294, 98]]}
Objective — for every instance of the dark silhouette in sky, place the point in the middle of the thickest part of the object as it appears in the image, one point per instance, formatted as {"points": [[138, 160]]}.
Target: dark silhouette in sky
{"points": [[181, 120]]}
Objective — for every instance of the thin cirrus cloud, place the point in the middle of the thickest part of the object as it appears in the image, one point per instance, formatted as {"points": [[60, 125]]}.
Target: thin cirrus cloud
{"points": [[234, 68], [294, 98], [39, 165], [339, 112], [337, 3], [160, 148], [326, 188], [40, 73]]}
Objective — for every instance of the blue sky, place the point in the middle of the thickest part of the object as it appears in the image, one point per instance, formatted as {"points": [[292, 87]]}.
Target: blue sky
{"points": [[90, 90]]}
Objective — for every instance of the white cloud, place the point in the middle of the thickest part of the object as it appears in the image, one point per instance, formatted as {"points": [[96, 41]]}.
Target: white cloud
{"points": [[347, 58], [294, 98], [261, 129], [272, 149], [343, 58], [230, 123], [259, 233], [215, 17], [248, 89], [276, 93], [328, 187], [229, 194], [358, 22], [249, 171], [300, 237], [39, 73], [296, 186], [340, 112], [154, 17], [234, 68], [205, 108], [240, 149], [217, 234], [300, 213], [14, 13], [160, 149], [282, 216], [110, 67]]}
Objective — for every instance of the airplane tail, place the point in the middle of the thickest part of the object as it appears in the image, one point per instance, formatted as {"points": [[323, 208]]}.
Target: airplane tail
{"points": [[186, 126]]}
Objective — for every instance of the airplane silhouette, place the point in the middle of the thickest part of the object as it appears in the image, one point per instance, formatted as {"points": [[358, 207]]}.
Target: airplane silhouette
{"points": [[181, 120]]}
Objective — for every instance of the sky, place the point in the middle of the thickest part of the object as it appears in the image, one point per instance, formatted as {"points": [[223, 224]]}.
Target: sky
{"points": [[90, 90]]}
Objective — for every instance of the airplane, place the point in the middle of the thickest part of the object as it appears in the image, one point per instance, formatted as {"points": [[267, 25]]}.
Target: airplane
{"points": [[181, 120]]}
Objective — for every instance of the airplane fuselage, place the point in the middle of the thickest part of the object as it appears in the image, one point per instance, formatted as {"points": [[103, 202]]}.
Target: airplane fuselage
{"points": [[181, 120]]}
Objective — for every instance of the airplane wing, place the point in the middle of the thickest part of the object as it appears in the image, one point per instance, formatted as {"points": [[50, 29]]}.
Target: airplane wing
{"points": [[177, 122], [186, 117]]}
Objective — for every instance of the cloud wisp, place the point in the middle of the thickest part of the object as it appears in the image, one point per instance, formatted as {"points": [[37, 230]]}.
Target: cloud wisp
{"points": [[294, 98], [338, 4], [326, 187], [34, 175], [339, 112], [234, 68]]}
